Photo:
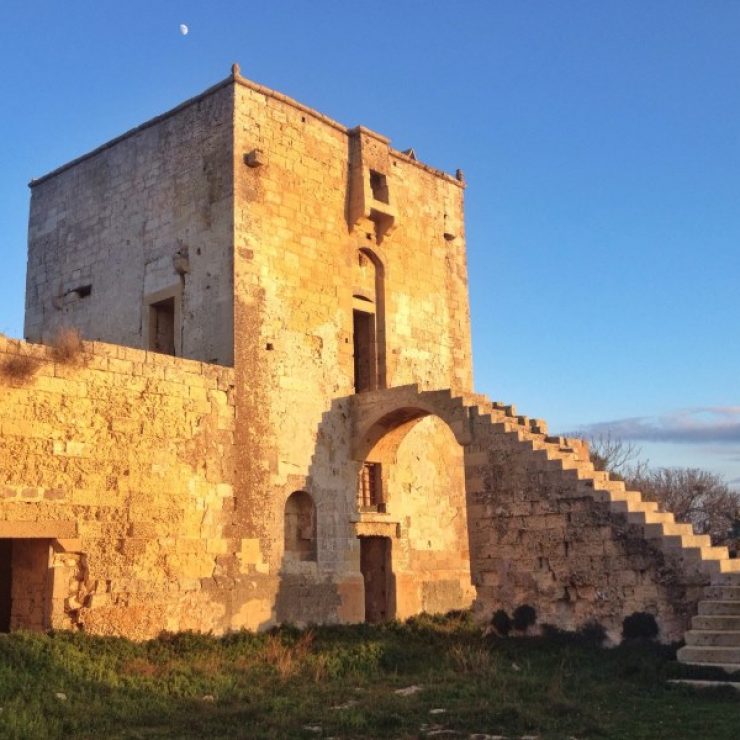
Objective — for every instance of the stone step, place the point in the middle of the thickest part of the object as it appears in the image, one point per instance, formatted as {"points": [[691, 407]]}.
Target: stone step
{"points": [[715, 623], [729, 667], [650, 517], [719, 608], [714, 568], [616, 492], [667, 529], [695, 546], [727, 579], [701, 654], [731, 565], [696, 684], [722, 593], [626, 507], [721, 638]]}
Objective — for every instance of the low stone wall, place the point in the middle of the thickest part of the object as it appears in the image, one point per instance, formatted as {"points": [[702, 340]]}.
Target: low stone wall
{"points": [[116, 472]]}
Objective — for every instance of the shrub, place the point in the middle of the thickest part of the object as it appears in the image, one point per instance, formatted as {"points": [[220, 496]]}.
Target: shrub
{"points": [[593, 633], [19, 368], [66, 346], [551, 632], [639, 625], [524, 617], [501, 622]]}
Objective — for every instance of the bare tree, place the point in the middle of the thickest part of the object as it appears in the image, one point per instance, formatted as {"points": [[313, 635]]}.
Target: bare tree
{"points": [[619, 457], [697, 497]]}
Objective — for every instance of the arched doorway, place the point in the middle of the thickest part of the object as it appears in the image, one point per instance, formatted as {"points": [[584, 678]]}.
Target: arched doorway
{"points": [[414, 551]]}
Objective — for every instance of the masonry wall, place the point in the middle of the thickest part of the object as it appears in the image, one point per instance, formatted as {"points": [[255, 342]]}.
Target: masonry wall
{"points": [[116, 221], [116, 475], [296, 258], [537, 538]]}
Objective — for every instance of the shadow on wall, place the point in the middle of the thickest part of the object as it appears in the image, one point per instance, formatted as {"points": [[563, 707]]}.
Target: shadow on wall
{"points": [[362, 547]]}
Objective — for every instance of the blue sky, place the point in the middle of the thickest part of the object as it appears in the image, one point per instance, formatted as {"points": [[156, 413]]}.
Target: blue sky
{"points": [[600, 143]]}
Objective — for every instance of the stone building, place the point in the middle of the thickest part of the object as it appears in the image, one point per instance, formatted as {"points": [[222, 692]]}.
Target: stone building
{"points": [[272, 417]]}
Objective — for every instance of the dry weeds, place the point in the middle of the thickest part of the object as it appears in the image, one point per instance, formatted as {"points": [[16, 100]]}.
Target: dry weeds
{"points": [[66, 346], [19, 368]]}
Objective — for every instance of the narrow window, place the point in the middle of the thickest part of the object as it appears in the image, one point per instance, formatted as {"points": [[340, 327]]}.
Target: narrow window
{"points": [[379, 186], [363, 325], [162, 326], [370, 488], [300, 527]]}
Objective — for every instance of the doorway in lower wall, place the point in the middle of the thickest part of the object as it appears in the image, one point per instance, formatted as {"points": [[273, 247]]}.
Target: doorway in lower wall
{"points": [[24, 584], [377, 572]]}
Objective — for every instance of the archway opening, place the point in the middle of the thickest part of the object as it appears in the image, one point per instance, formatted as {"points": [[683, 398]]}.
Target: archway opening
{"points": [[420, 502]]}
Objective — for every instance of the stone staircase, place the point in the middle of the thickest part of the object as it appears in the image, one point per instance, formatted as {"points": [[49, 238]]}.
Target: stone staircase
{"points": [[570, 456], [714, 637]]}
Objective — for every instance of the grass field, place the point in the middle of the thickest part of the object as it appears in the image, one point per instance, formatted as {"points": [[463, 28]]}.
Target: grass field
{"points": [[342, 681]]}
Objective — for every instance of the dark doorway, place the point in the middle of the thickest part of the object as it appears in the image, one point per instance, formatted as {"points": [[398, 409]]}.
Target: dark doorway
{"points": [[375, 565], [6, 583], [162, 326], [364, 350]]}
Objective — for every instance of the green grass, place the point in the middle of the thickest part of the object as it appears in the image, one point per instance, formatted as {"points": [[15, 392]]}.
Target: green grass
{"points": [[343, 679]]}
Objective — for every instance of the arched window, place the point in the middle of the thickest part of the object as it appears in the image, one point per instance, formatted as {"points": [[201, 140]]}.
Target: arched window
{"points": [[300, 527], [368, 322]]}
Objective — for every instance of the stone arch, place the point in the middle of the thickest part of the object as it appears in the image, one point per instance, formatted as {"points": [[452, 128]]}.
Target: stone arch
{"points": [[389, 415], [300, 527], [416, 441]]}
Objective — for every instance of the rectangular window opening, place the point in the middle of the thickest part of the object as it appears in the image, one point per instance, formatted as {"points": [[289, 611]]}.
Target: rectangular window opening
{"points": [[370, 489], [364, 351], [162, 326], [379, 186]]}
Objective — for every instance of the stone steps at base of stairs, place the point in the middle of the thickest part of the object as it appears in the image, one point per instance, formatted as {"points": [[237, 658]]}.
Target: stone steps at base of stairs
{"points": [[708, 638], [698, 684], [729, 667], [722, 593], [715, 655], [719, 608], [715, 623]]}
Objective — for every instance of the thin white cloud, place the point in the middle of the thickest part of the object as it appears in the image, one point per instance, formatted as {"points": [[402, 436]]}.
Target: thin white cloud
{"points": [[703, 425]]}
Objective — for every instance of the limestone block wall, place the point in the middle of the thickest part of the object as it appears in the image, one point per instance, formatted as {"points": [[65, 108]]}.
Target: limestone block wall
{"points": [[297, 250], [116, 488], [148, 214]]}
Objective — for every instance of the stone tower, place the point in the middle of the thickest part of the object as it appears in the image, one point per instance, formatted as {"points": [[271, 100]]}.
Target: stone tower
{"points": [[245, 229]]}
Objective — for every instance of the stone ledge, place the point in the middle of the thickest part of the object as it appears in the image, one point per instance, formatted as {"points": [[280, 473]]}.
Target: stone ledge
{"points": [[44, 529]]}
